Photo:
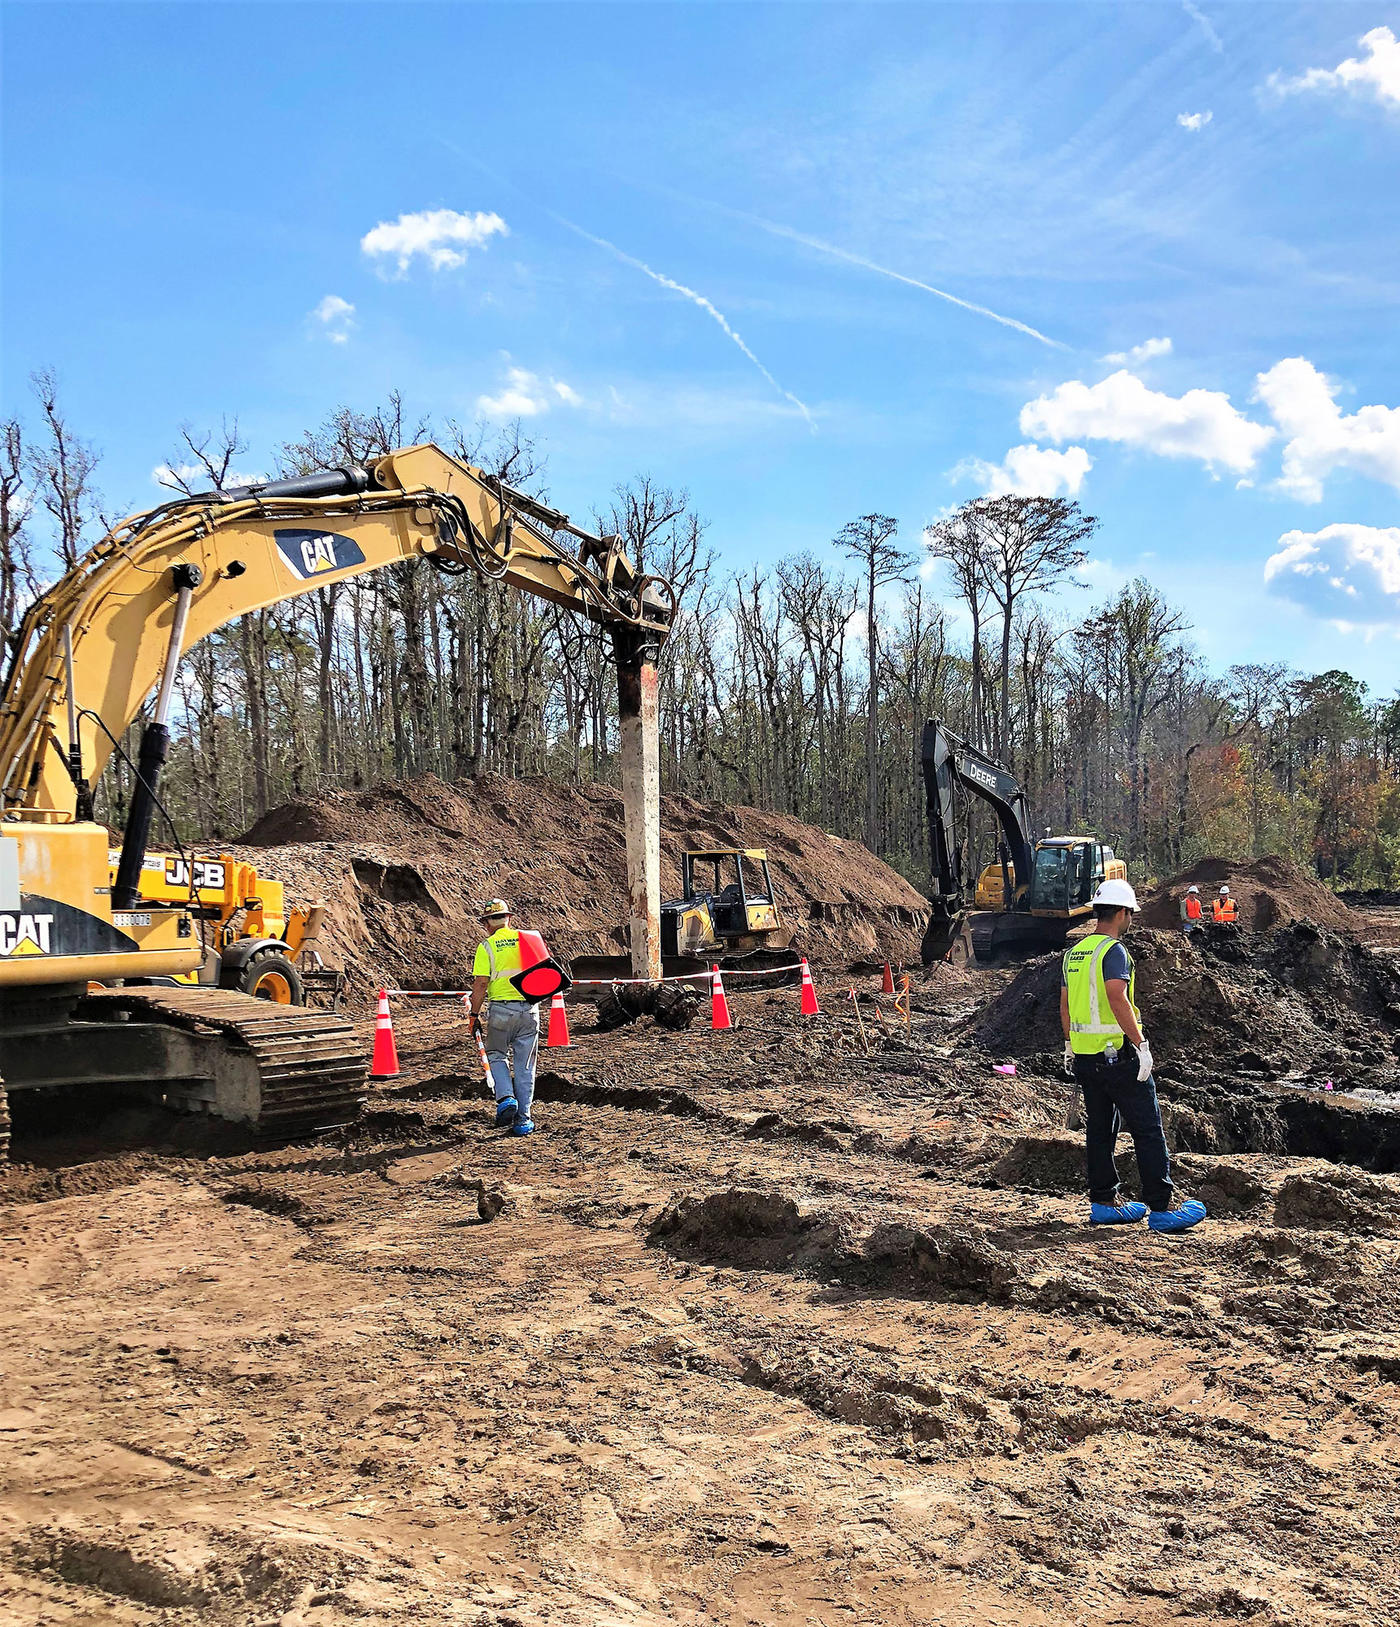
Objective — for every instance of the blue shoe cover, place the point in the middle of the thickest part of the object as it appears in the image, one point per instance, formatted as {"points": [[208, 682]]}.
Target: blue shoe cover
{"points": [[523, 1127], [1121, 1214], [506, 1109], [1181, 1219]]}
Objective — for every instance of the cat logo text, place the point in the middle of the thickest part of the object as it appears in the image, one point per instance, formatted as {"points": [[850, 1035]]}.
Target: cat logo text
{"points": [[24, 934], [317, 553]]}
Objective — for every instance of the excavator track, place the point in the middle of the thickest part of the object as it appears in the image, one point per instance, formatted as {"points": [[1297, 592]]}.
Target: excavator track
{"points": [[310, 1065]]}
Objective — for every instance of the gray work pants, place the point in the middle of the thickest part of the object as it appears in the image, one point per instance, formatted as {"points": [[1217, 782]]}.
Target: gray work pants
{"points": [[512, 1043]]}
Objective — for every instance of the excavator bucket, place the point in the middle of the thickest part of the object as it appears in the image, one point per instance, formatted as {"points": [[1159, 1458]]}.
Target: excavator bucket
{"points": [[946, 937]]}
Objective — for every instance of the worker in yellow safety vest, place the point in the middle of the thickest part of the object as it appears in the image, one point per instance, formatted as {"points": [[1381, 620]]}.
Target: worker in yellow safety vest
{"points": [[1108, 1055], [512, 1022]]}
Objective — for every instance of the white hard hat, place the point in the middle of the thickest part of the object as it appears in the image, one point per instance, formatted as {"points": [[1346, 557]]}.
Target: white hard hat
{"points": [[1224, 890], [1193, 888], [1117, 893]]}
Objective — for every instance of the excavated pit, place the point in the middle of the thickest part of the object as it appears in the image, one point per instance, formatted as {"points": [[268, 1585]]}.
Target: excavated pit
{"points": [[1285, 1042]]}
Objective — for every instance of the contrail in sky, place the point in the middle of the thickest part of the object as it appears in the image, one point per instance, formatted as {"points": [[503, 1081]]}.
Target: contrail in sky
{"points": [[1207, 27], [884, 271], [695, 299]]}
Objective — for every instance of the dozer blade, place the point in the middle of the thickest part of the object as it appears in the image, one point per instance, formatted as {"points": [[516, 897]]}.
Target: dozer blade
{"points": [[283, 1070]]}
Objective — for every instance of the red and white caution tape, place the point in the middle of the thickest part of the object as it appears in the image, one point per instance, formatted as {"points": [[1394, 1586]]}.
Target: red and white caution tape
{"points": [[594, 983]]}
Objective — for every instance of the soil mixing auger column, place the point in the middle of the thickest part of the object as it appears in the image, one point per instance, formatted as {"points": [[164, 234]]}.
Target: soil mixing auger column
{"points": [[112, 630]]}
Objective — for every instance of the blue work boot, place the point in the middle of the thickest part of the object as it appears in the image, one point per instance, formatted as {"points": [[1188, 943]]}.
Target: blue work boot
{"points": [[1180, 1219], [506, 1110], [523, 1127], [1116, 1214]]}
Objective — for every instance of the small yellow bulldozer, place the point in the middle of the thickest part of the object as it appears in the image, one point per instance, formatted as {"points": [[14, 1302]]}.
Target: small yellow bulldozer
{"points": [[727, 906]]}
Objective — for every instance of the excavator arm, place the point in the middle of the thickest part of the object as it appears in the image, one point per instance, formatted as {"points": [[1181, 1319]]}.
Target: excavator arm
{"points": [[952, 765], [92, 649]]}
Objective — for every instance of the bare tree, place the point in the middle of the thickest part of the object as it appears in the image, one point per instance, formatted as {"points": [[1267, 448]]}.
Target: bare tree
{"points": [[213, 452], [17, 581], [869, 541], [60, 470], [957, 540], [1029, 545]]}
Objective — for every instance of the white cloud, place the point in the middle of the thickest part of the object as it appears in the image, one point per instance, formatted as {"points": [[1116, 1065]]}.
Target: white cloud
{"points": [[1345, 573], [196, 477], [1032, 471], [441, 236], [1147, 351], [1194, 121], [527, 395], [1320, 438], [1376, 74], [1200, 424], [336, 316]]}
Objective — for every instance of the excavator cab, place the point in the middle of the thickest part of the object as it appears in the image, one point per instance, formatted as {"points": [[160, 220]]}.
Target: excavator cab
{"points": [[1067, 873]]}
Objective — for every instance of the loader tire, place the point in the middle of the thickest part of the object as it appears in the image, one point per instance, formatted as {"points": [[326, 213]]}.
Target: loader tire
{"points": [[4, 1125], [269, 975], [611, 1013], [676, 1006]]}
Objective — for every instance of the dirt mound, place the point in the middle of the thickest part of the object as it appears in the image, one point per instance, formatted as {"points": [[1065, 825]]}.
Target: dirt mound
{"points": [[1296, 1003], [1268, 892], [1340, 1200], [404, 867]]}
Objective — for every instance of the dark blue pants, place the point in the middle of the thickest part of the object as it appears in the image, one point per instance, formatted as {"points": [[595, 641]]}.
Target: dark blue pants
{"points": [[1114, 1101]]}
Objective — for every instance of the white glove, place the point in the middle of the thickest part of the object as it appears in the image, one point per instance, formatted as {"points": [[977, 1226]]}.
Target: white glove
{"points": [[1069, 1059], [1144, 1052]]}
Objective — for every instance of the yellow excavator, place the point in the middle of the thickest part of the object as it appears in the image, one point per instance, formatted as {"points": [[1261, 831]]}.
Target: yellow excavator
{"points": [[86, 968], [255, 943], [1032, 896]]}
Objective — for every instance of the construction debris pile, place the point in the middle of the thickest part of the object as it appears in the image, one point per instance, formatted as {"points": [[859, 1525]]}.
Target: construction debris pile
{"points": [[403, 868]]}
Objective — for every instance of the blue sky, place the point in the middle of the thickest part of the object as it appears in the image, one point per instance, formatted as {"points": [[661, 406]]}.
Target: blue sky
{"points": [[196, 192]]}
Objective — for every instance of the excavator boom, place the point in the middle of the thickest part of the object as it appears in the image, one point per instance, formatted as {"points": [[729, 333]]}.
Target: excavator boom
{"points": [[92, 649]]}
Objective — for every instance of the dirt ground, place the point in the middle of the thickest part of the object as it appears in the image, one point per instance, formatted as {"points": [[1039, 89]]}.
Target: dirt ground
{"points": [[758, 1328]]}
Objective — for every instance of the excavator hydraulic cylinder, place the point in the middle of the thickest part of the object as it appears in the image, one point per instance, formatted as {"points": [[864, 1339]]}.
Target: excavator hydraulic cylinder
{"points": [[155, 748]]}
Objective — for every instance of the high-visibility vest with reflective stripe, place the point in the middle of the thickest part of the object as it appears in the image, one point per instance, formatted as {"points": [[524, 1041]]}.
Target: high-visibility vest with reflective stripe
{"points": [[1092, 1025], [1224, 909], [1192, 907], [501, 952]]}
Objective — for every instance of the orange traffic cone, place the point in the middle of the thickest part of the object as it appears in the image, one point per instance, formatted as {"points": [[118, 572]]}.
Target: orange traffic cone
{"points": [[719, 1006], [385, 1064], [887, 987], [558, 1021], [810, 1008]]}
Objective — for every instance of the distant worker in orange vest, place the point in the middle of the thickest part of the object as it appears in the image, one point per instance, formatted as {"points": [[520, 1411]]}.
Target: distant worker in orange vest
{"points": [[1192, 914], [1223, 909]]}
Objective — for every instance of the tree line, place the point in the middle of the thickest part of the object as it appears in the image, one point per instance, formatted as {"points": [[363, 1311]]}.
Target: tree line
{"points": [[799, 684]]}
